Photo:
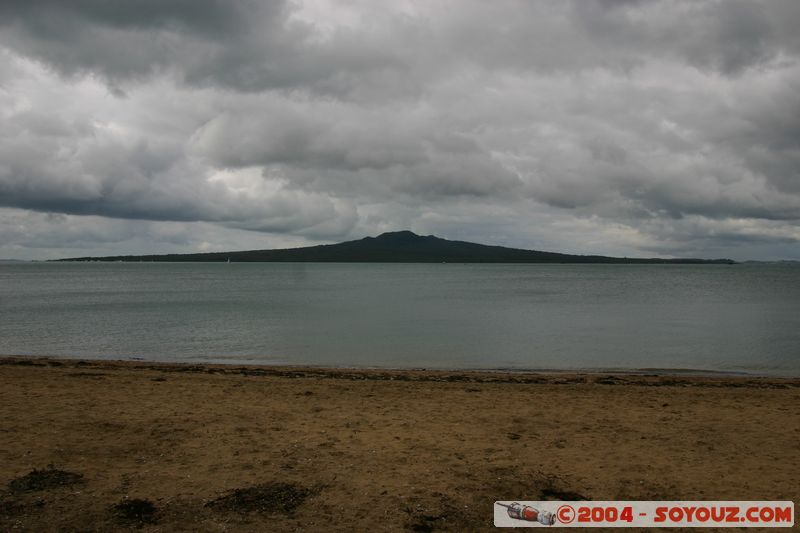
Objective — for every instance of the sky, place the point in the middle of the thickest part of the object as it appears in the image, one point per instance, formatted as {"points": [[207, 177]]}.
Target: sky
{"points": [[621, 127]]}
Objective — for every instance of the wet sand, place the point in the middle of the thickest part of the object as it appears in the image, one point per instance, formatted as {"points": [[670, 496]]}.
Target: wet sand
{"points": [[161, 447]]}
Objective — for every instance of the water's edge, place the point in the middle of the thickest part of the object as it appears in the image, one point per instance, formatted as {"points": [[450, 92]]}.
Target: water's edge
{"points": [[599, 371]]}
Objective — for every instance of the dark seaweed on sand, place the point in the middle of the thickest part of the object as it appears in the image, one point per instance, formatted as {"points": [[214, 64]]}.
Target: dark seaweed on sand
{"points": [[50, 478], [135, 510], [267, 498]]}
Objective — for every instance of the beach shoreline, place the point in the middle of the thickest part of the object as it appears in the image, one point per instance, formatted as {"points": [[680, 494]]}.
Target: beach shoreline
{"points": [[375, 449], [515, 375]]}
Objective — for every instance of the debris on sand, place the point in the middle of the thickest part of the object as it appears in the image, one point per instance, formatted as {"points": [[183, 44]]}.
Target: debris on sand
{"points": [[428, 523], [136, 510], [10, 508], [421, 527], [551, 493], [267, 498], [50, 478]]}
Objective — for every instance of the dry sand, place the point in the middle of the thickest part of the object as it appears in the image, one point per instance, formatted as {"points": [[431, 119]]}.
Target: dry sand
{"points": [[336, 450]]}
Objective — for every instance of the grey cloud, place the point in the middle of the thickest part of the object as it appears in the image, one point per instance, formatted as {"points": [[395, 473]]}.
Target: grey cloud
{"points": [[252, 46], [728, 36], [339, 148], [629, 125], [120, 39], [320, 135], [53, 166], [245, 45], [33, 235], [207, 17], [60, 231]]}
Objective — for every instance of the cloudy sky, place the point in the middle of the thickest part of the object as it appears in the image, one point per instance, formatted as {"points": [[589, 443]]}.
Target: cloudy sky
{"points": [[625, 127]]}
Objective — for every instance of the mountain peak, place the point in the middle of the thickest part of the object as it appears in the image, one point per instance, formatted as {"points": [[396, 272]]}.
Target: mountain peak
{"points": [[398, 247], [398, 236]]}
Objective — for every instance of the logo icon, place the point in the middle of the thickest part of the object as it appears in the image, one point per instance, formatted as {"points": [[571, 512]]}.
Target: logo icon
{"points": [[527, 513]]}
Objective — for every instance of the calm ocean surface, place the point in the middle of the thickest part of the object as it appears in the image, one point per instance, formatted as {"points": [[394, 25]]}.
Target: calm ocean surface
{"points": [[742, 318]]}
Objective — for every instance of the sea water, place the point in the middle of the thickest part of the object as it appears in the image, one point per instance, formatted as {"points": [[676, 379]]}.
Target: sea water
{"points": [[702, 318]]}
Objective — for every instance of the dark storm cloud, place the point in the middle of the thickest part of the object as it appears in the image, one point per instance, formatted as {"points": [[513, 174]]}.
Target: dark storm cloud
{"points": [[250, 45], [592, 125], [728, 36], [245, 45], [206, 17], [121, 40]]}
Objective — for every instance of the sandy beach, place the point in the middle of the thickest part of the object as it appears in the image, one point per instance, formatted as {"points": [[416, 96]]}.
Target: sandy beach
{"points": [[99, 446]]}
